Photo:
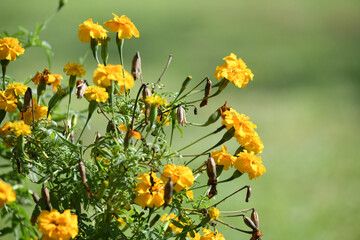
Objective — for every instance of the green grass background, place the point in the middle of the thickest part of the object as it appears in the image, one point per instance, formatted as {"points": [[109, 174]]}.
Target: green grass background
{"points": [[304, 97]]}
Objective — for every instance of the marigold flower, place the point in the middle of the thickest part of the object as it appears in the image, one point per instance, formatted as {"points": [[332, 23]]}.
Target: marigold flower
{"points": [[8, 101], [40, 111], [50, 79], [123, 26], [104, 74], [10, 48], [248, 162], [234, 70], [133, 133], [181, 176], [155, 100], [98, 94], [18, 88], [89, 30], [20, 128], [6, 129], [74, 69], [172, 216], [224, 158], [209, 235], [55, 225], [150, 191], [7, 194], [197, 236], [252, 144], [214, 213]]}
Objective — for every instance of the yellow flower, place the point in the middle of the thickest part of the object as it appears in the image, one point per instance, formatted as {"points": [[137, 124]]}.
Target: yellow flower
{"points": [[253, 143], [8, 101], [121, 221], [190, 194], [7, 194], [6, 129], [197, 236], [133, 133], [209, 235], [123, 26], [74, 69], [40, 111], [181, 176], [172, 216], [89, 30], [150, 191], [104, 74], [248, 162], [58, 226], [18, 88], [98, 94], [10, 48], [223, 158], [50, 79], [214, 213], [20, 128], [155, 100], [234, 70]]}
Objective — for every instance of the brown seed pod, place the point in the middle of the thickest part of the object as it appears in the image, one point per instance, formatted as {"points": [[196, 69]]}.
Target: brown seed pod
{"points": [[208, 86], [255, 218], [169, 189], [35, 197], [250, 223], [248, 194], [82, 171], [181, 118], [211, 170], [81, 87], [136, 66], [46, 197]]}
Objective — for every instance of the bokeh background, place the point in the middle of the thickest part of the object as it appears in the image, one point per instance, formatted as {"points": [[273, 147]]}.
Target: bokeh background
{"points": [[304, 97]]}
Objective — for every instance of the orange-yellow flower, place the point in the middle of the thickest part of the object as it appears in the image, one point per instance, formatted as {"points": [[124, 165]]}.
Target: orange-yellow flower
{"points": [[89, 30], [155, 100], [253, 143], [123, 26], [224, 158], [18, 88], [55, 225], [150, 191], [40, 111], [132, 133], [10, 48], [234, 70], [74, 69], [8, 101], [196, 237], [248, 162], [7, 195], [6, 129], [104, 74], [172, 216], [181, 176], [50, 79], [20, 128], [214, 213], [209, 235], [98, 94]]}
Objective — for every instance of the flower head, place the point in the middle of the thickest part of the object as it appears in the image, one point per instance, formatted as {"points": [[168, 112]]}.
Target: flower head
{"points": [[10, 48], [74, 69], [172, 216], [209, 235], [7, 194], [18, 88], [40, 111], [154, 100], [89, 30], [248, 162], [123, 26], [214, 213], [8, 100], [50, 79], [15, 128], [104, 74], [132, 133], [234, 70], [224, 158], [98, 94], [150, 191], [55, 225], [181, 176]]}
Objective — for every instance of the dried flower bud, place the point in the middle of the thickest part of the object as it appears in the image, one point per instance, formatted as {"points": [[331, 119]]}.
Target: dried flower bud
{"points": [[250, 223], [169, 188], [248, 194], [35, 197], [255, 218], [81, 87], [211, 169], [46, 197], [205, 101], [82, 171], [28, 100], [195, 111], [136, 66], [181, 118]]}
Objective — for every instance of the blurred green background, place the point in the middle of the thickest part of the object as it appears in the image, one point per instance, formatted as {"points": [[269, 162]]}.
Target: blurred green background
{"points": [[304, 97]]}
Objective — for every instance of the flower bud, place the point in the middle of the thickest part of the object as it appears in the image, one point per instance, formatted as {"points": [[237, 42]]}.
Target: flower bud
{"points": [[211, 170], [105, 49], [255, 218], [181, 118], [169, 188], [248, 194], [249, 223], [185, 83], [204, 102], [28, 100], [46, 197], [136, 66], [35, 197], [72, 81]]}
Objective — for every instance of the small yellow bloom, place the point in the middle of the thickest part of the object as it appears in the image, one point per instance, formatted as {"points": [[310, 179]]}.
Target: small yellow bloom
{"points": [[89, 30], [40, 111], [252, 143], [6, 129], [10, 48], [190, 194], [55, 225], [172, 216], [133, 133], [155, 100], [209, 235], [74, 69], [181, 176], [234, 70], [15, 128], [224, 158], [197, 236], [104, 74], [7, 195], [150, 191], [18, 88], [248, 162], [121, 221], [8, 101], [98, 94], [50, 79], [214, 213], [123, 26]]}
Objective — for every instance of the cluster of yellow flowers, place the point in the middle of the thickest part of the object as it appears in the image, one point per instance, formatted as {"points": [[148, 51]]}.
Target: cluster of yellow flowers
{"points": [[208, 235], [104, 74], [7, 194], [15, 128]]}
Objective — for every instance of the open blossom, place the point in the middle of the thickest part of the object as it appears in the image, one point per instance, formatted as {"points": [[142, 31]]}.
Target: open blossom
{"points": [[252, 143], [234, 70], [18, 88], [155, 100], [181, 176], [209, 235], [224, 158], [248, 162], [98, 94], [50, 79], [58, 226], [123, 26], [7, 194], [172, 216], [103, 76], [40, 111], [8, 101], [150, 191], [74, 69], [89, 30], [10, 48], [214, 213], [132, 133]]}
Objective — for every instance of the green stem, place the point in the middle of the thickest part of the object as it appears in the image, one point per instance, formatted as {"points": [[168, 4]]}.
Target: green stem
{"points": [[4, 64], [120, 44]]}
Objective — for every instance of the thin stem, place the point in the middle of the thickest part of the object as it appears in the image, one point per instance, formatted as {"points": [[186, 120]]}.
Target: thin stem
{"points": [[82, 131], [162, 74], [194, 88], [229, 196], [249, 232]]}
